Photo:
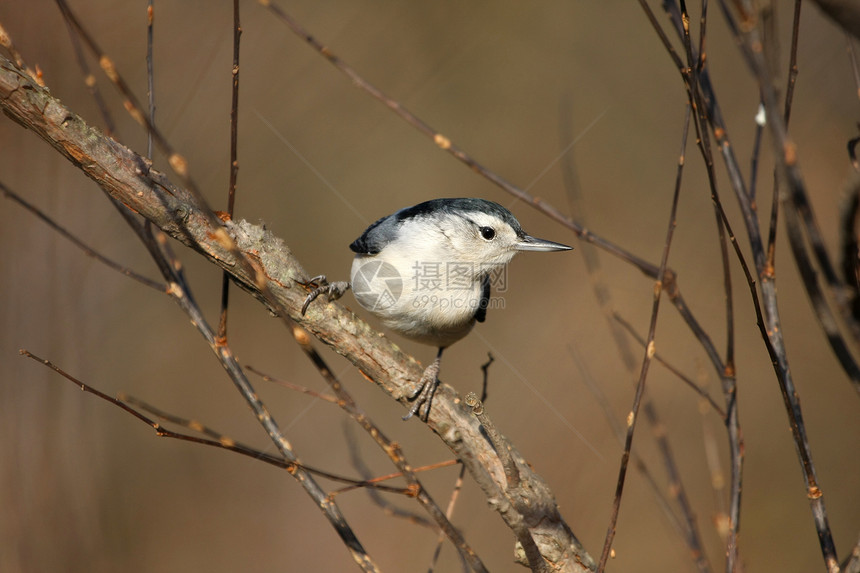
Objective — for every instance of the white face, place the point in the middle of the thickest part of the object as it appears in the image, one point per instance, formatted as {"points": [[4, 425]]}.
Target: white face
{"points": [[481, 238]]}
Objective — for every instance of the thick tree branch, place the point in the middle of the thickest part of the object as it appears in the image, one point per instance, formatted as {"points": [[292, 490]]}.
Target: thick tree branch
{"points": [[130, 179]]}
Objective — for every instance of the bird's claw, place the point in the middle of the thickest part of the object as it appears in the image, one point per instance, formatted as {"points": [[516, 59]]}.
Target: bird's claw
{"points": [[422, 393], [423, 397], [333, 291]]}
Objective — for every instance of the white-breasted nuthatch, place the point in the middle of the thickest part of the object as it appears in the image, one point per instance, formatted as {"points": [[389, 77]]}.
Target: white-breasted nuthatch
{"points": [[426, 272]]}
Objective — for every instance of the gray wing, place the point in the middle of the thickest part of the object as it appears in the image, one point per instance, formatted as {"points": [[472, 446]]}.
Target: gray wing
{"points": [[481, 313], [376, 236]]}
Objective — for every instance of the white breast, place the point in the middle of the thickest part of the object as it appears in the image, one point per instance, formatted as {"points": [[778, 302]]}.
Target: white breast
{"points": [[415, 294]]}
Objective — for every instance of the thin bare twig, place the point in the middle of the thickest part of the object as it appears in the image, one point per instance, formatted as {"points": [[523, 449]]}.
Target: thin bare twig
{"points": [[177, 288], [787, 161], [234, 161], [179, 165], [90, 252], [295, 387], [485, 379], [392, 450], [650, 349], [512, 473], [680, 375], [234, 110], [183, 296], [409, 491], [150, 69], [172, 269], [820, 305], [388, 508], [638, 462], [458, 483], [702, 97], [218, 440], [686, 528], [125, 175], [372, 484], [823, 313], [849, 240], [449, 513], [92, 83], [444, 143], [754, 159], [667, 279], [6, 42], [851, 564], [707, 111], [529, 552]]}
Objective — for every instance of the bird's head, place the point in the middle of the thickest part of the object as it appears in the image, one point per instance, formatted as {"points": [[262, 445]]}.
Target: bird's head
{"points": [[483, 233]]}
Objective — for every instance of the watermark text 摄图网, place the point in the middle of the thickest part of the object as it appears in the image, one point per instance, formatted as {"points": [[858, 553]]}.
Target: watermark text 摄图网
{"points": [[455, 275]]}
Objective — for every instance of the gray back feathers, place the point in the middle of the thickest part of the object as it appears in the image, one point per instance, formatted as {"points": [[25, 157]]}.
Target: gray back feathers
{"points": [[385, 230]]}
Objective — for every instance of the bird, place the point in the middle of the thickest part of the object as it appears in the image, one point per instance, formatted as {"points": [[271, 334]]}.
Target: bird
{"points": [[426, 273]]}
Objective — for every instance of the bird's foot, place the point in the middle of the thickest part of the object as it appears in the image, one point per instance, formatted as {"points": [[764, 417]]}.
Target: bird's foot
{"points": [[422, 393], [333, 291]]}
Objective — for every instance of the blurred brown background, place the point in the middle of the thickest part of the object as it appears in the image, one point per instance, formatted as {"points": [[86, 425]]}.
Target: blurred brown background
{"points": [[84, 487]]}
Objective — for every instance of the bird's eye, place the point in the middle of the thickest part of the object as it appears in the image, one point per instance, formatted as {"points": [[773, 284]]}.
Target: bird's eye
{"points": [[488, 233]]}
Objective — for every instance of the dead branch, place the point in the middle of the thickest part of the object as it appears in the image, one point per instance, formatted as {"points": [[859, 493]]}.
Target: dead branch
{"points": [[129, 178]]}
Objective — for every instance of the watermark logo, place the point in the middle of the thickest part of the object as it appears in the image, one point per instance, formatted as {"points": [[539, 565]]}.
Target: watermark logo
{"points": [[377, 285]]}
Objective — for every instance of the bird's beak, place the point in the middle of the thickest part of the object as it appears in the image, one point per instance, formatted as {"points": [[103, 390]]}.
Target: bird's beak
{"points": [[529, 243]]}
